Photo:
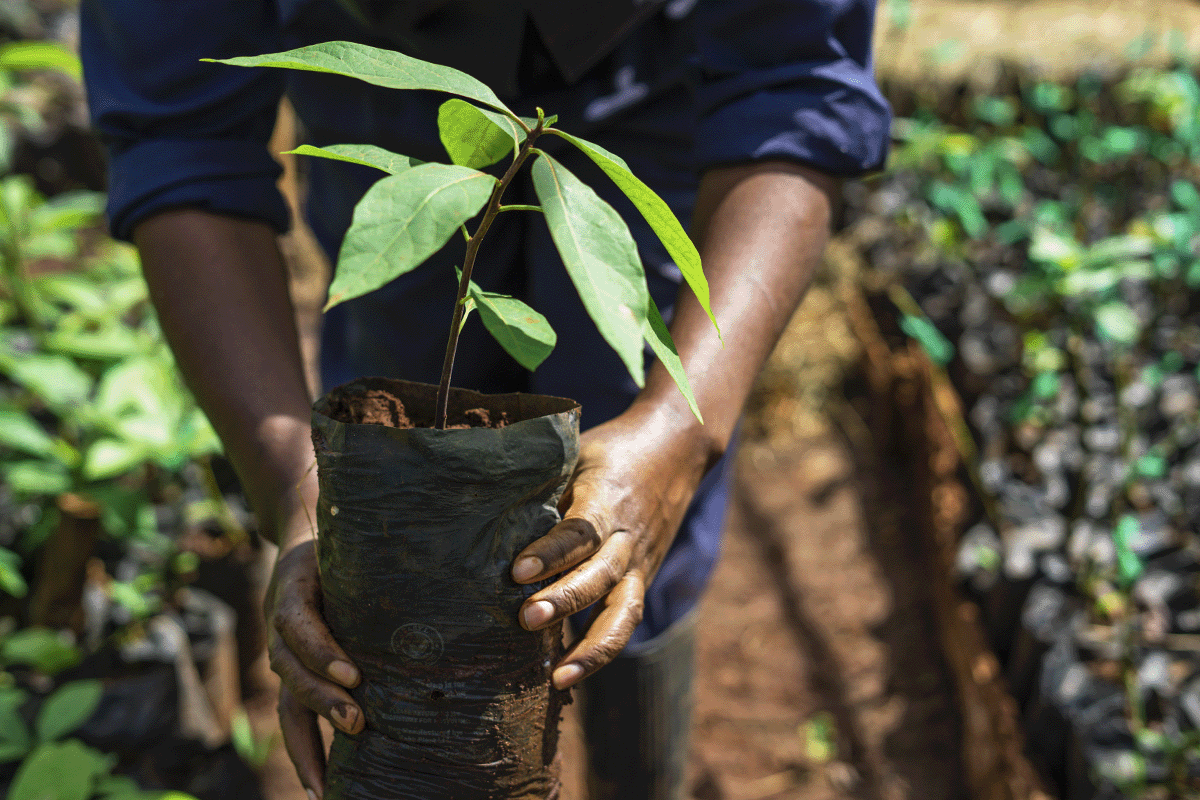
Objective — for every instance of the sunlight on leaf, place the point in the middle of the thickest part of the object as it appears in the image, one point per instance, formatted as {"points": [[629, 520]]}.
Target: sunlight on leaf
{"points": [[386, 68]]}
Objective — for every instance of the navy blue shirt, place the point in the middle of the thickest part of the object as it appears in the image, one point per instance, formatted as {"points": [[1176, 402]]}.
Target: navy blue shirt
{"points": [[701, 83], [768, 79]]}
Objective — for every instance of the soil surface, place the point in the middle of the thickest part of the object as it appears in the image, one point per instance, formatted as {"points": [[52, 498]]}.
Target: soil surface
{"points": [[379, 407]]}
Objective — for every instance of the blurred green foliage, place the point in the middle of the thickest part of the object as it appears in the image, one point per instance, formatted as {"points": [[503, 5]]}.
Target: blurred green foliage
{"points": [[91, 405], [1076, 208]]}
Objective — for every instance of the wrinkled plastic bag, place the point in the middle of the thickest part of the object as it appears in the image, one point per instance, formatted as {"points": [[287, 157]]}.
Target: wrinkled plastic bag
{"points": [[418, 530]]}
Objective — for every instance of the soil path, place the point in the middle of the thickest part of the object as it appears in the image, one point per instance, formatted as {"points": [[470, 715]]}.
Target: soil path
{"points": [[819, 610]]}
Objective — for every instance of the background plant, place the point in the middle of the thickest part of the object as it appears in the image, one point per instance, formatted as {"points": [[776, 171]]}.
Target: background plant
{"points": [[1048, 240], [92, 416]]}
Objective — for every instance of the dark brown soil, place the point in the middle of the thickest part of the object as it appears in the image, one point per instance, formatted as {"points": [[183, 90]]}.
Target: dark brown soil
{"points": [[380, 407], [820, 610]]}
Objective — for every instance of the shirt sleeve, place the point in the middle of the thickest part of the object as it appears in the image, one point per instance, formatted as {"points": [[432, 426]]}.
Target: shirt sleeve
{"points": [[180, 132], [789, 79]]}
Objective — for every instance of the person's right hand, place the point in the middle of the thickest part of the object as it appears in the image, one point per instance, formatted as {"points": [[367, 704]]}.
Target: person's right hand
{"points": [[315, 671]]}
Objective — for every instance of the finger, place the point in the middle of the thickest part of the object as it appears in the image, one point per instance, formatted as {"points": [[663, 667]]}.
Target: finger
{"points": [[299, 623], [567, 543], [583, 586], [607, 635], [325, 698], [302, 738]]}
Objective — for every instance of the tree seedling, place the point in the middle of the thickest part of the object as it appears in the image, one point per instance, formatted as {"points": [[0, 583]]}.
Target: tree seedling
{"points": [[406, 217]]}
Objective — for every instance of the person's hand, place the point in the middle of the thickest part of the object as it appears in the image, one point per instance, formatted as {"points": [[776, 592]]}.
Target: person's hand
{"points": [[633, 482], [315, 671]]}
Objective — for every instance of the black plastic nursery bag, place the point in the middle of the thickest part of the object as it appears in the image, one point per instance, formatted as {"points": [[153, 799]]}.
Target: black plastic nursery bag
{"points": [[418, 530]]}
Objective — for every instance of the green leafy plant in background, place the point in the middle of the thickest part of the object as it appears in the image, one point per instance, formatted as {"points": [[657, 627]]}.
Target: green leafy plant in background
{"points": [[53, 764], [91, 403], [1072, 209], [411, 213]]}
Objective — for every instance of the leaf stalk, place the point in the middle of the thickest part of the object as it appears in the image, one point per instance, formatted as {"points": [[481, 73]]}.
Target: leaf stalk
{"points": [[491, 211]]}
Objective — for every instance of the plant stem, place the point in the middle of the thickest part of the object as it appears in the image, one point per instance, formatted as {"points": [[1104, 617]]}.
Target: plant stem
{"points": [[464, 283]]}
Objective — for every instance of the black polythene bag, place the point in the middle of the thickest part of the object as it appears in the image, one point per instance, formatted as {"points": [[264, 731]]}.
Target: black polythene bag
{"points": [[418, 529]]}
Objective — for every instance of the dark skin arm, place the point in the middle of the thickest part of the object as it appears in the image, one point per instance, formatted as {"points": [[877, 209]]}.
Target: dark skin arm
{"points": [[220, 287], [761, 230]]}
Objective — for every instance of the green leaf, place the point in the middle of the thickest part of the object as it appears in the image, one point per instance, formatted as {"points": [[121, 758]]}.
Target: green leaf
{"points": [[146, 386], [958, 201], [403, 220], [1062, 252], [1129, 565], [72, 290], [37, 477], [14, 733], [936, 346], [366, 154], [56, 380], [1186, 196], [474, 137], [663, 345], [657, 213], [109, 457], [1045, 385], [1098, 281], [20, 431], [67, 709], [109, 343], [522, 332], [122, 509], [385, 68], [600, 256], [1151, 466], [1120, 142], [59, 771], [128, 595], [1117, 322], [11, 579], [254, 750], [39, 55], [67, 212], [40, 648], [1118, 248], [820, 737]]}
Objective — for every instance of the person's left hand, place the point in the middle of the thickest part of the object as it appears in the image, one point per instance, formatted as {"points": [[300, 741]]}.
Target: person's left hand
{"points": [[633, 482]]}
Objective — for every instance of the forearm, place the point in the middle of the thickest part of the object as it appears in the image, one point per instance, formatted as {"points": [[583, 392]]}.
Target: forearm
{"points": [[761, 230], [219, 285]]}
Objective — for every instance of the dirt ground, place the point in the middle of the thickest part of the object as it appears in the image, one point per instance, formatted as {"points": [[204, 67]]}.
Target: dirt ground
{"points": [[819, 608]]}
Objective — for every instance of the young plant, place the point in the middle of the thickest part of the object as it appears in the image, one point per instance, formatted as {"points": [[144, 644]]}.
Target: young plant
{"points": [[409, 215]]}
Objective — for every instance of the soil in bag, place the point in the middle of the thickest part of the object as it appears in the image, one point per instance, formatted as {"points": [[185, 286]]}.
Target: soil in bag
{"points": [[418, 529]]}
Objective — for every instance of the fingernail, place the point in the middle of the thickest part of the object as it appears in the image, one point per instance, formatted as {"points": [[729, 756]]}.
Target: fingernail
{"points": [[311, 794], [344, 673], [527, 568], [345, 716], [538, 613], [566, 675]]}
